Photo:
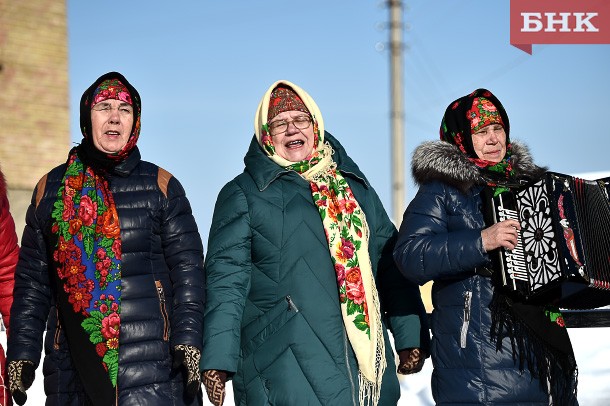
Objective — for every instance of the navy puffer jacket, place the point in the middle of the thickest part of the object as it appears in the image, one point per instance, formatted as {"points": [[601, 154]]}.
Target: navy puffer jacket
{"points": [[440, 241], [273, 317], [162, 256]]}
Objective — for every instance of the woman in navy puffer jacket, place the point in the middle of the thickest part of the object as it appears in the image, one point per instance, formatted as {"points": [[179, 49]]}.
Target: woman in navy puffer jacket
{"points": [[445, 238], [112, 263]]}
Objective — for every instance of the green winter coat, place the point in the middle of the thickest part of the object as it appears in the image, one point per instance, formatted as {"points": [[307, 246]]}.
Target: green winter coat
{"points": [[272, 317]]}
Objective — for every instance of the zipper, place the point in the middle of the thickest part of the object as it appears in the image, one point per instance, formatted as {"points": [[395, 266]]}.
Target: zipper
{"points": [[349, 368], [291, 305], [466, 322], [161, 294], [57, 331], [355, 175]]}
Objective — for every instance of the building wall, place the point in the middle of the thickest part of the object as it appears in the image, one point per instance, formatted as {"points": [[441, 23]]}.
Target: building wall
{"points": [[34, 98]]}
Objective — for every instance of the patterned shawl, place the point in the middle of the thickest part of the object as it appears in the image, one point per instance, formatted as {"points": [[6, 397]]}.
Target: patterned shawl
{"points": [[87, 257], [347, 235]]}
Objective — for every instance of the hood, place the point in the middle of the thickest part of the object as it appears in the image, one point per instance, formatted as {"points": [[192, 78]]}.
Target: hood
{"points": [[444, 162], [264, 171]]}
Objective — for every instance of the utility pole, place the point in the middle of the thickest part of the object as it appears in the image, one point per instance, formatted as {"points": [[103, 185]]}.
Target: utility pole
{"points": [[397, 111]]}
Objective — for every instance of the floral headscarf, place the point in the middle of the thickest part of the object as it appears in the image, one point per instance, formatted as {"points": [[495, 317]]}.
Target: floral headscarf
{"points": [[112, 85], [87, 257], [261, 121], [468, 114], [482, 114], [347, 235]]}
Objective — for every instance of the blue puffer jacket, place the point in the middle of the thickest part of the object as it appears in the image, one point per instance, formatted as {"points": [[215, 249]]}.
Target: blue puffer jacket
{"points": [[440, 241], [160, 246], [273, 318]]}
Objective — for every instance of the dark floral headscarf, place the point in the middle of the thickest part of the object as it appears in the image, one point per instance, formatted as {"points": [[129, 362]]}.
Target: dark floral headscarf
{"points": [[112, 85], [466, 115]]}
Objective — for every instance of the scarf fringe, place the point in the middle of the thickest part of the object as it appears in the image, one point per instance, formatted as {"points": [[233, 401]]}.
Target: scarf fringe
{"points": [[324, 168], [557, 373], [369, 392]]}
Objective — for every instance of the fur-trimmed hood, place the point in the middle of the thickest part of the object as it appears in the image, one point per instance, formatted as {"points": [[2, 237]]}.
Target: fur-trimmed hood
{"points": [[442, 161]]}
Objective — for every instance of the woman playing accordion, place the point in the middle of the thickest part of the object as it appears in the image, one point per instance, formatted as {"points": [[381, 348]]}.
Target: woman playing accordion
{"points": [[488, 345]]}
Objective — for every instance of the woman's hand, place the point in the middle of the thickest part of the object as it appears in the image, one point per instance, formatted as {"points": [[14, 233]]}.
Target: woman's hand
{"points": [[503, 234], [214, 382], [411, 360]]}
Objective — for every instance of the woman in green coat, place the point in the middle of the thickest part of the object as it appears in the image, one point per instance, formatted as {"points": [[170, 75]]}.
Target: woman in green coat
{"points": [[301, 285]]}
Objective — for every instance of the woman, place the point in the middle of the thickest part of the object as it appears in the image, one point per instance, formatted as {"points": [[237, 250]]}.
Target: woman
{"points": [[486, 348], [9, 253], [112, 257], [300, 280]]}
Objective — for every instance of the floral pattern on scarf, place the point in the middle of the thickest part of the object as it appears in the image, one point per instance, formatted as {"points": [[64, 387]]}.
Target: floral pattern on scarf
{"points": [[337, 202], [554, 314], [111, 89], [482, 114], [88, 257]]}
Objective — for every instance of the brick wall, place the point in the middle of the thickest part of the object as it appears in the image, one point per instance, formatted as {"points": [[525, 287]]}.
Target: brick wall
{"points": [[34, 100]]}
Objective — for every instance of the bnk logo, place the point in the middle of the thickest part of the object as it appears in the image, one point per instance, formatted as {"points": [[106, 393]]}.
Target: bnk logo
{"points": [[564, 22], [559, 22]]}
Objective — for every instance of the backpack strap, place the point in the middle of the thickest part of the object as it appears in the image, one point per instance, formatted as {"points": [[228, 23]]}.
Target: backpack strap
{"points": [[40, 187], [163, 178]]}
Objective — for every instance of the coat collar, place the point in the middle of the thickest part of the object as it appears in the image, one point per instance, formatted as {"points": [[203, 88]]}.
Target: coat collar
{"points": [[442, 161], [264, 171], [124, 168]]}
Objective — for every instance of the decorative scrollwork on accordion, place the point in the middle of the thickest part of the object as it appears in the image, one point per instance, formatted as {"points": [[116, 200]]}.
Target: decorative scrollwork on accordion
{"points": [[563, 250]]}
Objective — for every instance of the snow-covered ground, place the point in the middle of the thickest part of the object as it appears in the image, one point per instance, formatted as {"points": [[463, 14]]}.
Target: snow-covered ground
{"points": [[591, 346]]}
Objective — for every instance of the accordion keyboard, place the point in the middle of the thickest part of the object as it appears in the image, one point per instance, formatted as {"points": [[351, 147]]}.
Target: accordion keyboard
{"points": [[515, 259]]}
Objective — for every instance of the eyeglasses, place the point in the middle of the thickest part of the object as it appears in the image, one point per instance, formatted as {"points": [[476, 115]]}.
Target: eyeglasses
{"points": [[106, 108], [281, 126]]}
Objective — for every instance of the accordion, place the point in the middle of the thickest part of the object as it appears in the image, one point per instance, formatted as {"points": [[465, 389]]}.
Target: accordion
{"points": [[562, 255]]}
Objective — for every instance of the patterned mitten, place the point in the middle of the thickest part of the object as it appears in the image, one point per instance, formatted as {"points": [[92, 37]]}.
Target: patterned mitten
{"points": [[188, 357], [214, 382], [411, 360], [20, 378]]}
